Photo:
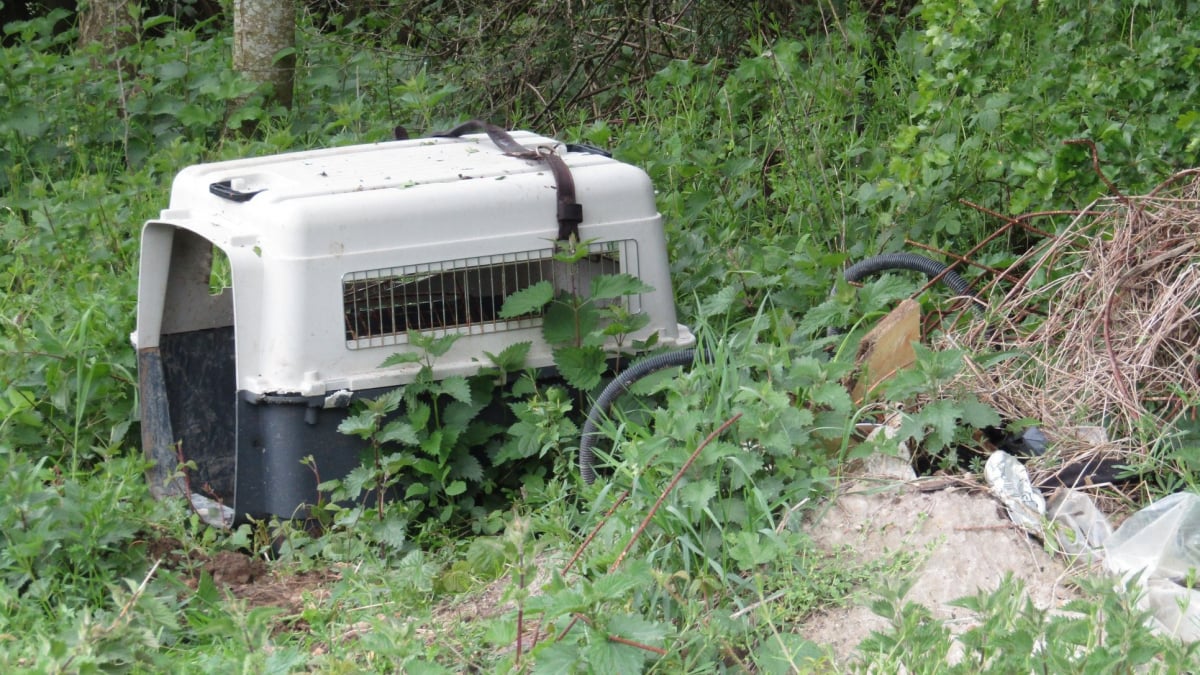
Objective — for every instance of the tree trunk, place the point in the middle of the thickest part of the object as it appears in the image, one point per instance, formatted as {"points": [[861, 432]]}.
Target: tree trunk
{"points": [[112, 23], [261, 30]]}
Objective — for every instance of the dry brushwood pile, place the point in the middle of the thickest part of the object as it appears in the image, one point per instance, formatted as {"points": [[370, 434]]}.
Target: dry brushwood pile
{"points": [[1102, 323]]}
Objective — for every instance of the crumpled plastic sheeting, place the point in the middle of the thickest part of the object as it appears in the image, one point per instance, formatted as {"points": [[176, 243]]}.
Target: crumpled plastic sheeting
{"points": [[1079, 528], [1156, 549], [1160, 547]]}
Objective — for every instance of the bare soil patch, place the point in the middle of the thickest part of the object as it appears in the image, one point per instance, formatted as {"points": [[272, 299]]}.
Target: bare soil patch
{"points": [[968, 542], [243, 576]]}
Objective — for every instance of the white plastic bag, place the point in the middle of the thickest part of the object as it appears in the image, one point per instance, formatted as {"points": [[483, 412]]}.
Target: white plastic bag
{"points": [[1160, 545]]}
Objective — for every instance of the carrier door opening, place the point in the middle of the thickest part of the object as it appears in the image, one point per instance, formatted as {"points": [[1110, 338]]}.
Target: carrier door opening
{"points": [[187, 365]]}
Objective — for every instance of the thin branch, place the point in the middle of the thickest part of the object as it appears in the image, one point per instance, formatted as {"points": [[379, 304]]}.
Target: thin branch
{"points": [[1096, 165], [674, 481], [595, 530]]}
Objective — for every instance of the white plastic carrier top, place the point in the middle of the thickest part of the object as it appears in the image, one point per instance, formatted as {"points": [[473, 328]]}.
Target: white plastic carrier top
{"points": [[336, 254]]}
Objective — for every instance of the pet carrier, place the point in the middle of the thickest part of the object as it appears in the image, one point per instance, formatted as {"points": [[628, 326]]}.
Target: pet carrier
{"points": [[327, 261]]}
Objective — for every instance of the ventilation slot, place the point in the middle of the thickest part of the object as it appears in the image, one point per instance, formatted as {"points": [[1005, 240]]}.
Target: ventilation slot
{"points": [[465, 295]]}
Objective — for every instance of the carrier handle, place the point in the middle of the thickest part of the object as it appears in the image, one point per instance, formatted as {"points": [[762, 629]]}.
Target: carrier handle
{"points": [[225, 190], [570, 212]]}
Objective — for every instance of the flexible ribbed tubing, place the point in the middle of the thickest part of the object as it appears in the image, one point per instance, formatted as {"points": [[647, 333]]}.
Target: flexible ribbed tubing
{"points": [[621, 384]]}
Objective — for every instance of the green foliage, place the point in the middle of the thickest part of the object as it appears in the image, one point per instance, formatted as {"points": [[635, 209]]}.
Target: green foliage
{"points": [[428, 441], [993, 102], [776, 161], [1105, 631]]}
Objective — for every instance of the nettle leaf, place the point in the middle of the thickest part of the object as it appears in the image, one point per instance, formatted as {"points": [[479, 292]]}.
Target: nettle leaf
{"points": [[511, 358], [605, 656], [567, 324], [828, 314], [786, 653], [457, 387], [698, 494], [400, 358], [941, 417], [386, 402], [635, 574], [361, 425], [977, 414], [486, 557], [392, 531], [358, 479], [467, 467], [720, 302], [933, 368], [528, 300], [608, 286], [831, 395], [621, 322], [559, 658], [637, 628], [939, 365], [458, 415], [441, 345], [582, 367], [807, 371], [399, 432], [418, 414]]}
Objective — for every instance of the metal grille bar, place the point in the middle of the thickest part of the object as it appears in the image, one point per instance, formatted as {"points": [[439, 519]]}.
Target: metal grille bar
{"points": [[465, 295]]}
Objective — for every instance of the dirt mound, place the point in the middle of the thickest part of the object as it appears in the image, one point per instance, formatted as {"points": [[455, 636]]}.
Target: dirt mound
{"points": [[243, 576], [966, 541]]}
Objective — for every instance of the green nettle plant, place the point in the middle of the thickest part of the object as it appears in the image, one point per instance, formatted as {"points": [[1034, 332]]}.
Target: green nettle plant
{"points": [[428, 440]]}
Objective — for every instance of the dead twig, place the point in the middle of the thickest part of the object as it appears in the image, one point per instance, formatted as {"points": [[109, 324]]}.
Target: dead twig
{"points": [[671, 486]]}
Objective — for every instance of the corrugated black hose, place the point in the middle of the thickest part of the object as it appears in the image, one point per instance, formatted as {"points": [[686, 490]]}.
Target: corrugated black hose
{"points": [[913, 262], [621, 384]]}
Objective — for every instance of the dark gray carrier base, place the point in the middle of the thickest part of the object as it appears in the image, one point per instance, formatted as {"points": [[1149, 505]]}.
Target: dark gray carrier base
{"points": [[244, 450]]}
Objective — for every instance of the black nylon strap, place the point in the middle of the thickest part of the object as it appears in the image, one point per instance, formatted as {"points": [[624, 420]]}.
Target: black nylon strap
{"points": [[570, 212]]}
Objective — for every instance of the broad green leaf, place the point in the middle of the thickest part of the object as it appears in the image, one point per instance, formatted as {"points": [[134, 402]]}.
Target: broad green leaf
{"points": [[387, 402], [606, 656], [942, 419], [400, 358], [467, 467], [582, 367], [785, 653], [560, 658], [637, 628], [720, 302], [419, 413], [361, 424], [458, 415], [487, 556], [457, 387], [528, 300], [977, 414], [565, 324], [832, 395], [456, 488], [698, 494], [608, 286], [634, 574], [398, 431], [511, 358], [392, 531], [439, 346]]}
